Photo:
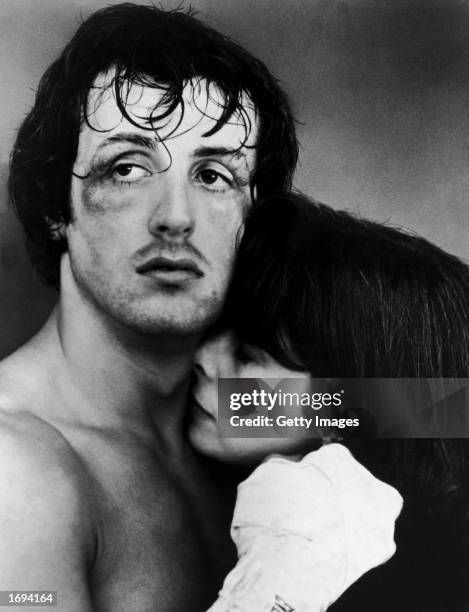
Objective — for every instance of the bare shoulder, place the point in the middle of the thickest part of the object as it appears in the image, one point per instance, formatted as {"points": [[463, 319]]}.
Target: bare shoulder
{"points": [[40, 471], [46, 534], [37, 461], [47, 519], [42, 481], [29, 443], [46, 528]]}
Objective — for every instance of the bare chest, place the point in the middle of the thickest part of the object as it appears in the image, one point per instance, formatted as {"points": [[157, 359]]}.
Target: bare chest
{"points": [[162, 533]]}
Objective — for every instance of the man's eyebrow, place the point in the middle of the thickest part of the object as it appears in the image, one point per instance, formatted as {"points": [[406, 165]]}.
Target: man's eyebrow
{"points": [[208, 151], [129, 138]]}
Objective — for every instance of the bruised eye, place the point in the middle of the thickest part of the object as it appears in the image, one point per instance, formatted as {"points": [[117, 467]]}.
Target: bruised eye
{"points": [[129, 173]]}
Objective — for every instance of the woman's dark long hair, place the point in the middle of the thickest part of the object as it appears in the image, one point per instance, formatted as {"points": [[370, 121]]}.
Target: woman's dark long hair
{"points": [[340, 296]]}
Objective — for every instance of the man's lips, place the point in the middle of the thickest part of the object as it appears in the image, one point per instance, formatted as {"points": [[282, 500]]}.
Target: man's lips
{"points": [[165, 265]]}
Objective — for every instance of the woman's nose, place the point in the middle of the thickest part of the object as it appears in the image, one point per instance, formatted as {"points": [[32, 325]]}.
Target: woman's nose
{"points": [[216, 355], [203, 362]]}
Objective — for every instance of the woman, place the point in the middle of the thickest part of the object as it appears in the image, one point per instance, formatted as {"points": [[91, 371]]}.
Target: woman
{"points": [[336, 296]]}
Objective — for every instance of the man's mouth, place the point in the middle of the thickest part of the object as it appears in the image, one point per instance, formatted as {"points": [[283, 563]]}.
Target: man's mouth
{"points": [[170, 269]]}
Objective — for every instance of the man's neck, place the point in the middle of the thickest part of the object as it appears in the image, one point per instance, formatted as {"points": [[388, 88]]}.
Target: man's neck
{"points": [[121, 377]]}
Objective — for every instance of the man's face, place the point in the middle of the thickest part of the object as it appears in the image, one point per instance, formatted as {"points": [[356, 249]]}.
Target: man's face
{"points": [[151, 241]]}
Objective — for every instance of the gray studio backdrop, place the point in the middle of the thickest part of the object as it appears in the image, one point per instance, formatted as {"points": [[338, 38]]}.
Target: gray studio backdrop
{"points": [[380, 88]]}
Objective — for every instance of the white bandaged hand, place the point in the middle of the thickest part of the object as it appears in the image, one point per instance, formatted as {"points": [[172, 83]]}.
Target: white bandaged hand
{"points": [[305, 531]]}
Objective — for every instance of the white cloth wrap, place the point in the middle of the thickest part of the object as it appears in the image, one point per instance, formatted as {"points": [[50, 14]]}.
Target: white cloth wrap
{"points": [[305, 531]]}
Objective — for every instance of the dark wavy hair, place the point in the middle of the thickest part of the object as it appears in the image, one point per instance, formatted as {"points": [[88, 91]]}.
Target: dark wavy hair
{"points": [[151, 47], [340, 296]]}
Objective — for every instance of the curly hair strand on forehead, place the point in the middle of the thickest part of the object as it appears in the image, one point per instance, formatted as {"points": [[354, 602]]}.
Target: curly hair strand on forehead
{"points": [[168, 105], [150, 47]]}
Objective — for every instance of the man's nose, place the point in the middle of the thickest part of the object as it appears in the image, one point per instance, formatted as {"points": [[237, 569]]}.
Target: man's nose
{"points": [[172, 216]]}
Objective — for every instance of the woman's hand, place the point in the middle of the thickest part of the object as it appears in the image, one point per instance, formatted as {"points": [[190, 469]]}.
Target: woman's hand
{"points": [[306, 531]]}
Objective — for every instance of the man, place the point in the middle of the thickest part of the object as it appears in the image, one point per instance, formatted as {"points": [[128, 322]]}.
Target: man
{"points": [[149, 137]]}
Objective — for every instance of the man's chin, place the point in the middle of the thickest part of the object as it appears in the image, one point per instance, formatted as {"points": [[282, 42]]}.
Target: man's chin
{"points": [[177, 323], [159, 317]]}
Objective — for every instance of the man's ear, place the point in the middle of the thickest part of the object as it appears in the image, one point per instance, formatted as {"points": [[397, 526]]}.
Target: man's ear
{"points": [[57, 230]]}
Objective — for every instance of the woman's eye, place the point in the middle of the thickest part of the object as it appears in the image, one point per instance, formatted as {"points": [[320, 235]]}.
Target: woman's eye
{"points": [[212, 178], [256, 355], [129, 173], [243, 354]]}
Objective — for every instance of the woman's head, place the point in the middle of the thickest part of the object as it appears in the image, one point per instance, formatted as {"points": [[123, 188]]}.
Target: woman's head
{"points": [[327, 293], [324, 291]]}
